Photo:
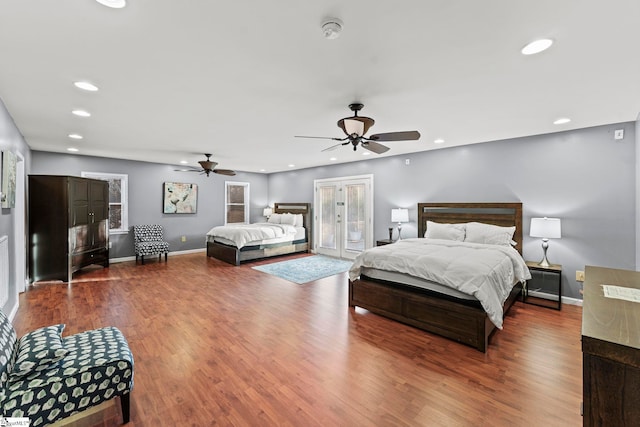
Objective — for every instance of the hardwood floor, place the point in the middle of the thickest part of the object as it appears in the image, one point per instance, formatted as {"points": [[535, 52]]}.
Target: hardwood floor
{"points": [[216, 344]]}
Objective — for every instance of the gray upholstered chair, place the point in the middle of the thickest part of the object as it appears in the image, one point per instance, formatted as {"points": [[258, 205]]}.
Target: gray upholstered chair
{"points": [[149, 240]]}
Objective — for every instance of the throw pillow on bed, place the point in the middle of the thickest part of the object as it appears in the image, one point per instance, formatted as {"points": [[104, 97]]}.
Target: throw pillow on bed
{"points": [[274, 218], [436, 230], [489, 234], [288, 218]]}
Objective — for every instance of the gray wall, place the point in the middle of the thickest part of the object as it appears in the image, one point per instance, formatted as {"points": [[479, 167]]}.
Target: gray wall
{"points": [[584, 177], [11, 139], [145, 196]]}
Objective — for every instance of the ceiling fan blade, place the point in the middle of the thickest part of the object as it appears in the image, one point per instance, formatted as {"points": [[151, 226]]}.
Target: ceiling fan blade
{"points": [[374, 146], [333, 147], [320, 137], [396, 136], [224, 172], [188, 170]]}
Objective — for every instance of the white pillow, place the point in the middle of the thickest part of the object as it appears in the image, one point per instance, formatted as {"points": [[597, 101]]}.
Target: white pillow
{"points": [[299, 221], [288, 218], [478, 232], [274, 218], [437, 230]]}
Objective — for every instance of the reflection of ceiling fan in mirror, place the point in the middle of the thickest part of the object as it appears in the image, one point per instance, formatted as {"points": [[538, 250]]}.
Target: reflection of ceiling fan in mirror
{"points": [[356, 127], [207, 167]]}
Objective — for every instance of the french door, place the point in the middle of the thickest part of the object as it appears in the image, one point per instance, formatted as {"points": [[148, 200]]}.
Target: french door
{"points": [[343, 220]]}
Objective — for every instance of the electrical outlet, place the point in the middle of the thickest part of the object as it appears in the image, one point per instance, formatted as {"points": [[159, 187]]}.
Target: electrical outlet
{"points": [[618, 134], [110, 245], [579, 276], [183, 238], [407, 162]]}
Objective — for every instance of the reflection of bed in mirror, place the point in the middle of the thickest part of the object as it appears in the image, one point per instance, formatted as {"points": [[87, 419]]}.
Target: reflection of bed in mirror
{"points": [[459, 317], [234, 244]]}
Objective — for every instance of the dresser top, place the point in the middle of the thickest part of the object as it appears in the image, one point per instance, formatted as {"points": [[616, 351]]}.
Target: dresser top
{"points": [[608, 319]]}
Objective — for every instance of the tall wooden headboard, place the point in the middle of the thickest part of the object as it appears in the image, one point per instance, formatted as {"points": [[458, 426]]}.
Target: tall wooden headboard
{"points": [[297, 208], [502, 214]]}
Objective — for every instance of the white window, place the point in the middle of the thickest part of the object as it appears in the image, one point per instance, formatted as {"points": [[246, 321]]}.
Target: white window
{"points": [[118, 208], [236, 201]]}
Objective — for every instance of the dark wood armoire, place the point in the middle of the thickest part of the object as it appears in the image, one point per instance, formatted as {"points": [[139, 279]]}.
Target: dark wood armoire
{"points": [[68, 225]]}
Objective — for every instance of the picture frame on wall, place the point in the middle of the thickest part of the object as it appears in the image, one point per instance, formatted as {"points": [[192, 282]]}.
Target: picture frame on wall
{"points": [[180, 198], [8, 199]]}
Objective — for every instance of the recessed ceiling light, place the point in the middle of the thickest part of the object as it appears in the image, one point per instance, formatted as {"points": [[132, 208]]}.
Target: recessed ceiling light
{"points": [[90, 87], [184, 162], [116, 4], [263, 170], [81, 113], [562, 121], [333, 159], [366, 153], [75, 136], [292, 166], [537, 46], [438, 141], [72, 149]]}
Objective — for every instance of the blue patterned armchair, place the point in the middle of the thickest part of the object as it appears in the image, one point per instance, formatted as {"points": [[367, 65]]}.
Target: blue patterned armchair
{"points": [[149, 240], [46, 378]]}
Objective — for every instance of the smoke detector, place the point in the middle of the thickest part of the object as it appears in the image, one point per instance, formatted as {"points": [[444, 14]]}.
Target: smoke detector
{"points": [[331, 28]]}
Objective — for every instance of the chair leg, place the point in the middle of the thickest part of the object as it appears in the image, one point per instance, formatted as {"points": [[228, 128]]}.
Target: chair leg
{"points": [[142, 259], [160, 257], [165, 256], [125, 406]]}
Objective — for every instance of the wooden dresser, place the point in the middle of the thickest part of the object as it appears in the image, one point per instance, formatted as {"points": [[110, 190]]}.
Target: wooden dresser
{"points": [[610, 350]]}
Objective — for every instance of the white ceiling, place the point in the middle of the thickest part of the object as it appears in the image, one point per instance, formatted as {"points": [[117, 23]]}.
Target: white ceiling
{"points": [[240, 79]]}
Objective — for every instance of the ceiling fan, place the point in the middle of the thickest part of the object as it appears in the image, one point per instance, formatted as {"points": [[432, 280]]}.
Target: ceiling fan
{"points": [[208, 166], [357, 126]]}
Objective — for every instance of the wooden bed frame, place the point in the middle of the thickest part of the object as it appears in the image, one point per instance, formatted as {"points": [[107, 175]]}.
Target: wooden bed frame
{"points": [[465, 323], [233, 255]]}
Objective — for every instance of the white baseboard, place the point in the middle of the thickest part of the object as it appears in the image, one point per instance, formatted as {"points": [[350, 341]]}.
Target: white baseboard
{"points": [[133, 258], [565, 300]]}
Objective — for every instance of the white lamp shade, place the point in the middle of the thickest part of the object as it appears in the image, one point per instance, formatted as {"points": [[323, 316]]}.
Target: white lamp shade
{"points": [[267, 211], [548, 228], [399, 215]]}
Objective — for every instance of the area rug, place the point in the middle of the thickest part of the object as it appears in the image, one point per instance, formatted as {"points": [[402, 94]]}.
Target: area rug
{"points": [[307, 269]]}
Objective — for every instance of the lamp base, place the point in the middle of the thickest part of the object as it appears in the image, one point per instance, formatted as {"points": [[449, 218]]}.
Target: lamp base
{"points": [[399, 232], [545, 261]]}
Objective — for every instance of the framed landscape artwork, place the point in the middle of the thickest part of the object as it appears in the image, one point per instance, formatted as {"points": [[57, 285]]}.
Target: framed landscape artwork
{"points": [[180, 198], [8, 180]]}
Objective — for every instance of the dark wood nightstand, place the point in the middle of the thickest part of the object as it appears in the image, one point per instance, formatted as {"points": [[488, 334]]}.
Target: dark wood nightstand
{"points": [[383, 242], [547, 280]]}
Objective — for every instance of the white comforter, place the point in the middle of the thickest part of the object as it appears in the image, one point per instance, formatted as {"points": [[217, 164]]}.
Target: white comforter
{"points": [[487, 272], [241, 234]]}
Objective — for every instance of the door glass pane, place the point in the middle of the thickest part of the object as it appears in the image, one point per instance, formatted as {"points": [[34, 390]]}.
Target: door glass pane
{"points": [[327, 217], [355, 214]]}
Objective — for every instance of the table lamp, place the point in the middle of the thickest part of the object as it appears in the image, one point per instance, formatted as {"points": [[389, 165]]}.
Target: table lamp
{"points": [[547, 228], [267, 212], [399, 216]]}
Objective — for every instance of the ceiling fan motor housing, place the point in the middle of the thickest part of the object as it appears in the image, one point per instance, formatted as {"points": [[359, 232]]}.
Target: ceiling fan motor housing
{"points": [[355, 125]]}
